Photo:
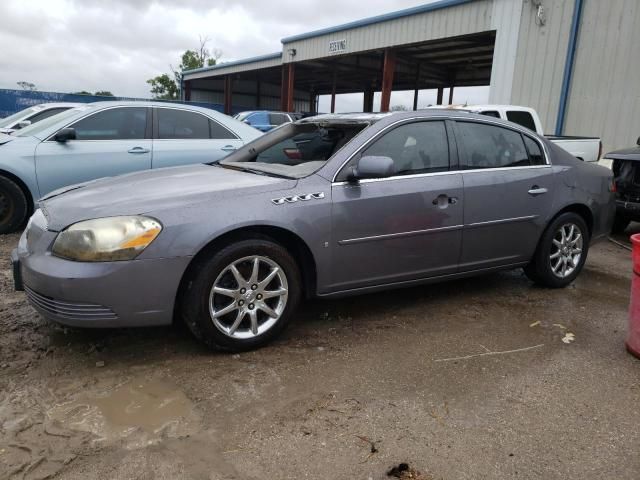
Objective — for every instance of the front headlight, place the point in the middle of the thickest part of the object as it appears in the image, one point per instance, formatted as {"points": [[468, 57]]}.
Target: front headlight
{"points": [[106, 239]]}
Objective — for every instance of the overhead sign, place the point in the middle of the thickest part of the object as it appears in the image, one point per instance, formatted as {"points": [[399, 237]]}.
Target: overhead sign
{"points": [[337, 46]]}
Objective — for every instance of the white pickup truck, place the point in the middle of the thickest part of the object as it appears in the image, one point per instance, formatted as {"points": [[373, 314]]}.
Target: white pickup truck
{"points": [[588, 149]]}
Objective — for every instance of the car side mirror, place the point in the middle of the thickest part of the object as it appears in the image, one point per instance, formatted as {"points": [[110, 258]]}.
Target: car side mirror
{"points": [[372, 167], [22, 124], [65, 135]]}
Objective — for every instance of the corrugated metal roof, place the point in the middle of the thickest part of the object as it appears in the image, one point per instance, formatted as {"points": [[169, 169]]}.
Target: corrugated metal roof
{"points": [[259, 58], [429, 7]]}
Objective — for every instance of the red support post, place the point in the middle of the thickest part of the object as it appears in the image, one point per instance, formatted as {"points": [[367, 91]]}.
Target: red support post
{"points": [[290, 87], [367, 101], [312, 102], [416, 91], [228, 94], [333, 93], [451, 95], [258, 94], [187, 91], [284, 83], [440, 95], [388, 71]]}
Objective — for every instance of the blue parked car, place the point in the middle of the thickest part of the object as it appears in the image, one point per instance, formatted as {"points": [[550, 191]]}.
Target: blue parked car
{"points": [[265, 120], [103, 139]]}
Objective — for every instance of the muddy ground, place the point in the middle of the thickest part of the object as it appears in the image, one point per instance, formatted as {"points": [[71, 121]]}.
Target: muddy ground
{"points": [[463, 380]]}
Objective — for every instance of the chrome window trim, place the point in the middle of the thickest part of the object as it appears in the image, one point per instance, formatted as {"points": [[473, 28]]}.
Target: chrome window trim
{"points": [[434, 174], [50, 137], [516, 127]]}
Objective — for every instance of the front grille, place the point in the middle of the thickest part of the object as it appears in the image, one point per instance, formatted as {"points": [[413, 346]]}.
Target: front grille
{"points": [[65, 310]]}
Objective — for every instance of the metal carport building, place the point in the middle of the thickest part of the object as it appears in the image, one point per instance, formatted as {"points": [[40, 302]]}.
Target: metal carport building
{"points": [[574, 61]]}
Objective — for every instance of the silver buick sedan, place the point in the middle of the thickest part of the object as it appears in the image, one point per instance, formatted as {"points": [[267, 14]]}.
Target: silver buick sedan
{"points": [[326, 206]]}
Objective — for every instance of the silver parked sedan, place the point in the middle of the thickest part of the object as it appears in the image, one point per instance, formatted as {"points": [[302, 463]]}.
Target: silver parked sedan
{"points": [[326, 206]]}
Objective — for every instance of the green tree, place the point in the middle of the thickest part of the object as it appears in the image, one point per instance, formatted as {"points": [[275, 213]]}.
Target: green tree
{"points": [[82, 92], [104, 93], [167, 86]]}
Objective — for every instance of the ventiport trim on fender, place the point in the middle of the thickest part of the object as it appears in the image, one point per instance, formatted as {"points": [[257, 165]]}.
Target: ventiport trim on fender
{"points": [[294, 198]]}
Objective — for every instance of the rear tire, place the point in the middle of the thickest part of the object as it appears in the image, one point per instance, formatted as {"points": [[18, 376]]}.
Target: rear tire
{"points": [[560, 256], [620, 224], [226, 309], [14, 206]]}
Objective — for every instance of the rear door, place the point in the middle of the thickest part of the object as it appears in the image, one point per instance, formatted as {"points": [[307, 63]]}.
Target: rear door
{"points": [[109, 142], [184, 136], [508, 189], [404, 227]]}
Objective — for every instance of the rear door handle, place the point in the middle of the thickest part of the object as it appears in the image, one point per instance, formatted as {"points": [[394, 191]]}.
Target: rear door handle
{"points": [[139, 150], [536, 190], [228, 148]]}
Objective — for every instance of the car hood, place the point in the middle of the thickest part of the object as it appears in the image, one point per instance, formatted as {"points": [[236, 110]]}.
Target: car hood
{"points": [[152, 190], [625, 154]]}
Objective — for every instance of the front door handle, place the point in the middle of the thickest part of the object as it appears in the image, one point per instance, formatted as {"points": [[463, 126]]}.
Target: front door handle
{"points": [[443, 201], [228, 148], [139, 150], [536, 190]]}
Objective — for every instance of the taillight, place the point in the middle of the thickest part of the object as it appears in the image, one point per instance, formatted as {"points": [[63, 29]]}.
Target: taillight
{"points": [[612, 186]]}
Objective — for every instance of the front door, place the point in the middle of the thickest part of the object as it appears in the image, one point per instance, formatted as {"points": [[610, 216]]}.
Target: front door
{"points": [[405, 227], [109, 142], [508, 189]]}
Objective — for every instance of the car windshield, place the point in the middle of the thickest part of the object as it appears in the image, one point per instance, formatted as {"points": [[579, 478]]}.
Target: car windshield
{"points": [[294, 150], [35, 129], [11, 119]]}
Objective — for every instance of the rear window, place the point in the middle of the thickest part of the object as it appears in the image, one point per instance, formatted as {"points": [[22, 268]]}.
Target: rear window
{"points": [[522, 118]]}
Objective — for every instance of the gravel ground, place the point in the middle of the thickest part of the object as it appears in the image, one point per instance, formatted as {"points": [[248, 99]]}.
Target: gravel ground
{"points": [[464, 380]]}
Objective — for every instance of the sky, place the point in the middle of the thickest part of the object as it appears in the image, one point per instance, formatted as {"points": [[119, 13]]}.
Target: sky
{"points": [[116, 45]]}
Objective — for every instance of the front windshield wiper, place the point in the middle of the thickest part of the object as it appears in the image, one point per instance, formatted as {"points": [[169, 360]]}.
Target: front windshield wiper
{"points": [[250, 170]]}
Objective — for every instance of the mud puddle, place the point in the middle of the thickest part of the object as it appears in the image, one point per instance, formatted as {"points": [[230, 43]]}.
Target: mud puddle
{"points": [[137, 413]]}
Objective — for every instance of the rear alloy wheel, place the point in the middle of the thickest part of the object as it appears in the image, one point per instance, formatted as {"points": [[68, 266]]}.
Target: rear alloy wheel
{"points": [[13, 206], [243, 296], [561, 252]]}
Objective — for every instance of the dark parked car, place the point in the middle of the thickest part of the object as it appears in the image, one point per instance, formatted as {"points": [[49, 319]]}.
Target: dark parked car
{"points": [[380, 201], [626, 170]]}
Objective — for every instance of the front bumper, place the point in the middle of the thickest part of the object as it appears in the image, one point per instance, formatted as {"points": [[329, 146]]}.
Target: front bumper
{"points": [[132, 293]]}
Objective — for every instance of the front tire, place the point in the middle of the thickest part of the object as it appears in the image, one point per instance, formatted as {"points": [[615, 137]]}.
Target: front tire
{"points": [[14, 206], [561, 253], [241, 297]]}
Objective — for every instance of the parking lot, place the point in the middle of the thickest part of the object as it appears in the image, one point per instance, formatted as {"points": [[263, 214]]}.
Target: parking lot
{"points": [[468, 379]]}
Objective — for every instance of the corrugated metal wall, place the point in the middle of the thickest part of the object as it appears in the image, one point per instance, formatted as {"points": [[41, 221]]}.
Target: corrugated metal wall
{"points": [[542, 50], [458, 20], [604, 98]]}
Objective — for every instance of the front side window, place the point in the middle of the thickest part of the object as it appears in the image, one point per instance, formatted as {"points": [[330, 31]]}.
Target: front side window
{"points": [[420, 147], [522, 118], [127, 123], [489, 146], [293, 150], [180, 124]]}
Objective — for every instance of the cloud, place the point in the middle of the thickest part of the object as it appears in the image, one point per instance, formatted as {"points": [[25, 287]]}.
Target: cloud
{"points": [[71, 45]]}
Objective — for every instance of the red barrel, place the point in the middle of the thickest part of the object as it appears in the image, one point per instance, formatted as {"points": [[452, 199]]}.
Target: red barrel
{"points": [[633, 339]]}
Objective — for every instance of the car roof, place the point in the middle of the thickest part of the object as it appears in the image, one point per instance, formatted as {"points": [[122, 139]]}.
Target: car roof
{"points": [[147, 103]]}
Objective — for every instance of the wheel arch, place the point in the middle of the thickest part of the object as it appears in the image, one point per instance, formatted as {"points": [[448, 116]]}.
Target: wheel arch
{"points": [[292, 242], [581, 209], [23, 186]]}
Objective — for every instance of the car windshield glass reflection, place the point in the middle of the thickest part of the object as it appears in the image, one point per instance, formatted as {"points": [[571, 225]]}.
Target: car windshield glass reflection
{"points": [[293, 150]]}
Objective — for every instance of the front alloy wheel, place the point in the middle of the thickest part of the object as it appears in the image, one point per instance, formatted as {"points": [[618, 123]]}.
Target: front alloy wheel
{"points": [[248, 297], [241, 296]]}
